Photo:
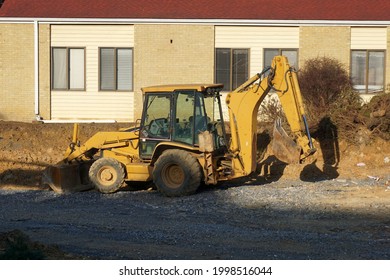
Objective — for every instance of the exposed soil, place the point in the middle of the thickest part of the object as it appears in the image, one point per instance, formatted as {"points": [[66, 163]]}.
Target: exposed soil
{"points": [[337, 206]]}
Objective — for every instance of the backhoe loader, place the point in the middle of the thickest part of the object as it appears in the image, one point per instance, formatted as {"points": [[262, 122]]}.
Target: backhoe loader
{"points": [[181, 139]]}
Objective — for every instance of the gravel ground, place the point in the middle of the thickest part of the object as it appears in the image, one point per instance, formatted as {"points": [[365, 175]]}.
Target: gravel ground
{"points": [[287, 219], [337, 207]]}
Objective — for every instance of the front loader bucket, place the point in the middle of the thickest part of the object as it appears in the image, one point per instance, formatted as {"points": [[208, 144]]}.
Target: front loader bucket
{"points": [[67, 178], [284, 148]]}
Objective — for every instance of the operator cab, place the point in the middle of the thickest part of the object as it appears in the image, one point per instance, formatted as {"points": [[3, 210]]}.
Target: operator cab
{"points": [[178, 113]]}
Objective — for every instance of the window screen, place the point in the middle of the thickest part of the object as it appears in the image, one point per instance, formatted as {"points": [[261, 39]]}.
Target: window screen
{"points": [[291, 54], [232, 67], [116, 69]]}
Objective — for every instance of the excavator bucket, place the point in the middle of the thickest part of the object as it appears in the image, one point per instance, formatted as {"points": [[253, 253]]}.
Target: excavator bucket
{"points": [[67, 178], [284, 148]]}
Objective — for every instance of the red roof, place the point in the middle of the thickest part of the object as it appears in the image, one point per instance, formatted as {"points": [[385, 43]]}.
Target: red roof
{"points": [[360, 10]]}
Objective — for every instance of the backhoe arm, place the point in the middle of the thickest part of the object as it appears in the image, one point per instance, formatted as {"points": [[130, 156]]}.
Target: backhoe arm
{"points": [[243, 104], [99, 141], [285, 83]]}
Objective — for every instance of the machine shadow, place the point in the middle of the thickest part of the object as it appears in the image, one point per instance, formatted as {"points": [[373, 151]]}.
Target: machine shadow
{"points": [[269, 167], [327, 136], [25, 178]]}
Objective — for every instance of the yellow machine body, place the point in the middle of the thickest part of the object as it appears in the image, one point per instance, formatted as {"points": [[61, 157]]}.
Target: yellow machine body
{"points": [[181, 140]]}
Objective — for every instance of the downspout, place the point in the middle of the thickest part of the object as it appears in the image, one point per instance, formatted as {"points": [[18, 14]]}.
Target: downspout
{"points": [[36, 70]]}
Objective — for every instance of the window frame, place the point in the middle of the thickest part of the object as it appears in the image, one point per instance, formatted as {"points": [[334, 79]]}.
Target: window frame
{"points": [[367, 71], [67, 60], [280, 50], [116, 69], [231, 50]]}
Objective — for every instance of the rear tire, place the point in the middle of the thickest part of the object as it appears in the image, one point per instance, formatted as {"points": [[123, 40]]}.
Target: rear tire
{"points": [[107, 175], [177, 173]]}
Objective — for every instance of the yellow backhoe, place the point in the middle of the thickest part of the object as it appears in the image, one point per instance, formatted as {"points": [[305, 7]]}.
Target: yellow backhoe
{"points": [[181, 139]]}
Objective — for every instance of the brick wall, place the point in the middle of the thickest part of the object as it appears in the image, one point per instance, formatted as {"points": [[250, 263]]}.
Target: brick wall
{"points": [[163, 54], [331, 41], [17, 72], [172, 54]]}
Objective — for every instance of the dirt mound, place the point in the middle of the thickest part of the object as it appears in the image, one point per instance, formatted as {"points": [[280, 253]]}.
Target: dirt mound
{"points": [[377, 116], [15, 245], [26, 149]]}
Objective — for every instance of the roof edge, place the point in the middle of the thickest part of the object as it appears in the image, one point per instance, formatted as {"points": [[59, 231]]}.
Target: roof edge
{"points": [[195, 21]]}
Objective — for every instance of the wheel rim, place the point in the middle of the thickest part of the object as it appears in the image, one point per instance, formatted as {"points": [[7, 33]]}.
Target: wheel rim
{"points": [[173, 176], [107, 175]]}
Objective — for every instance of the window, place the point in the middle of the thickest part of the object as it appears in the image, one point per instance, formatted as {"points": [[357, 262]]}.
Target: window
{"points": [[156, 122], [68, 68], [291, 54], [232, 67], [184, 124], [116, 69], [368, 70]]}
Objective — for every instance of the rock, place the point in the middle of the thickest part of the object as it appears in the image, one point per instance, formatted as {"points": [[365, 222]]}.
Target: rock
{"points": [[376, 178]]}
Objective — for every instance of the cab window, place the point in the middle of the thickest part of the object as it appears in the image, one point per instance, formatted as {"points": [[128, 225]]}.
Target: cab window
{"points": [[157, 120]]}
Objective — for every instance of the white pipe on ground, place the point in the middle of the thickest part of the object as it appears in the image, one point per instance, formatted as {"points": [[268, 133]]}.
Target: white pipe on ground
{"points": [[77, 121]]}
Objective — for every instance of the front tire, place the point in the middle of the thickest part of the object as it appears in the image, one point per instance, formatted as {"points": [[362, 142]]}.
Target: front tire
{"points": [[107, 175], [177, 173]]}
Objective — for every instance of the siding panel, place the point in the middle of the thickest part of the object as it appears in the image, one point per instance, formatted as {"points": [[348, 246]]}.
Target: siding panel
{"points": [[92, 104], [256, 39], [368, 38], [81, 105]]}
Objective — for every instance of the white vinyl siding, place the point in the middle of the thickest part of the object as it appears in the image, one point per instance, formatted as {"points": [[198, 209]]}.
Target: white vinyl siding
{"points": [[103, 106], [256, 39], [368, 38], [92, 103]]}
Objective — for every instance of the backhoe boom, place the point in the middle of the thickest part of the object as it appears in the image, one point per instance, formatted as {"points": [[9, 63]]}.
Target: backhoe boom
{"points": [[243, 104]]}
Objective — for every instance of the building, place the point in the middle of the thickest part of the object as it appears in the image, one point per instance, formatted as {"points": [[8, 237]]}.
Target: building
{"points": [[80, 60]]}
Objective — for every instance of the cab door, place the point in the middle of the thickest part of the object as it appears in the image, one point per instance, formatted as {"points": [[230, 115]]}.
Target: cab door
{"points": [[156, 122], [189, 116]]}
